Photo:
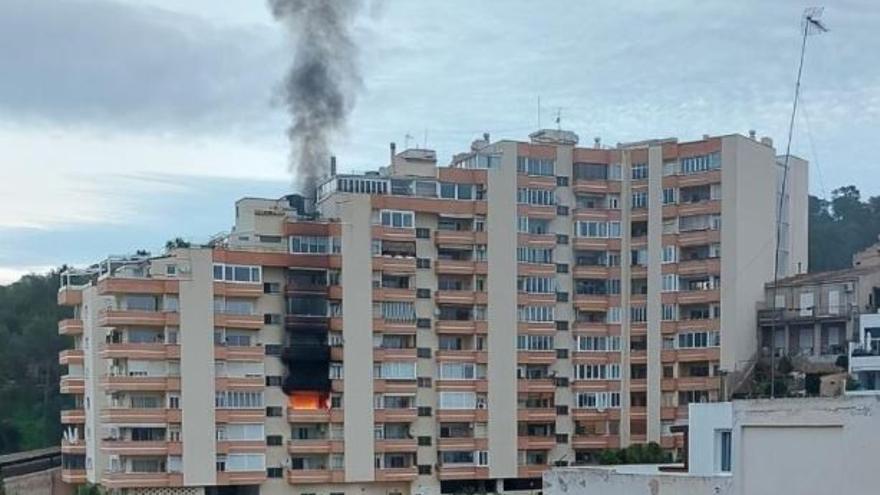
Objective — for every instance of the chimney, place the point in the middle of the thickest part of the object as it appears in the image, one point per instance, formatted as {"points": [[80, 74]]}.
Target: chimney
{"points": [[332, 166], [752, 134], [393, 148], [597, 142], [486, 137], [767, 141], [705, 137]]}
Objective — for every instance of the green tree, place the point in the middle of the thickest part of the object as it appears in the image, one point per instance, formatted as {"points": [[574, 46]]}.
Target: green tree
{"points": [[29, 369]]}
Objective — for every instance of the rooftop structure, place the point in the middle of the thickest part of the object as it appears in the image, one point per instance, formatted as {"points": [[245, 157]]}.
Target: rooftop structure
{"points": [[752, 448]]}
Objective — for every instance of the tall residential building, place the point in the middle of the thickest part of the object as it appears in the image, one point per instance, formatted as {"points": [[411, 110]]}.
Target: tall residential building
{"points": [[429, 329]]}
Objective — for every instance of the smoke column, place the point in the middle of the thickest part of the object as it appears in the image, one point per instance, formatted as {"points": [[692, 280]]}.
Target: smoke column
{"points": [[319, 90]]}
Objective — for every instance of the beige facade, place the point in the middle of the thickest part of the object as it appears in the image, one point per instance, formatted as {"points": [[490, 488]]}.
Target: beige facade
{"points": [[431, 329]]}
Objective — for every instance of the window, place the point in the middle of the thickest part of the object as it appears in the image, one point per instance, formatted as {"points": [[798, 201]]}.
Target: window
{"points": [[237, 273], [395, 370], [639, 171], [724, 451], [669, 312], [670, 282], [695, 340], [536, 313], [670, 254], [598, 400], [561, 181], [590, 171], [597, 229], [457, 400], [561, 239], [235, 432], [598, 343], [397, 311], [534, 342], [460, 371], [539, 197], [613, 315], [273, 412], [275, 472], [597, 371], [700, 163], [640, 199], [670, 168], [234, 399], [638, 314], [534, 255], [669, 196], [315, 245], [534, 166], [397, 219], [536, 285], [245, 462]]}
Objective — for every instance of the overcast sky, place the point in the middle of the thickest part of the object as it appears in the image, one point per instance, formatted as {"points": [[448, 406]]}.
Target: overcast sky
{"points": [[125, 123]]}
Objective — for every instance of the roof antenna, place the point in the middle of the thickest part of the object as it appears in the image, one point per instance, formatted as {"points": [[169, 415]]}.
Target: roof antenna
{"points": [[558, 118], [811, 25]]}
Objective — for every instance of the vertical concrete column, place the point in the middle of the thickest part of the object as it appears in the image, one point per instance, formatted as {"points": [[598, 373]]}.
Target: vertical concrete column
{"points": [[94, 397], [562, 253], [625, 292], [654, 303], [502, 312], [197, 384], [357, 332]]}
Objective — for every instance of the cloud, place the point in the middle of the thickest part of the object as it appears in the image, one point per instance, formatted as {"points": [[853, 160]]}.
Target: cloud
{"points": [[111, 65]]}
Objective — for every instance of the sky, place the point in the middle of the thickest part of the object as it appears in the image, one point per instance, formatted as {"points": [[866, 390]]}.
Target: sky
{"points": [[125, 123]]}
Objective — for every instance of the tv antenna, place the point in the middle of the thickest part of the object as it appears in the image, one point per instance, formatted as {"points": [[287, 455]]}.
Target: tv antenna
{"points": [[812, 24], [406, 140]]}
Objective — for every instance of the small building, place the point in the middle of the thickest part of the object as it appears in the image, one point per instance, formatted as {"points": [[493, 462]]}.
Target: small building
{"points": [[816, 315], [864, 357], [753, 447]]}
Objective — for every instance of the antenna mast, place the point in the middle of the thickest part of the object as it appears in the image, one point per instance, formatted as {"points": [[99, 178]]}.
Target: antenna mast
{"points": [[811, 25]]}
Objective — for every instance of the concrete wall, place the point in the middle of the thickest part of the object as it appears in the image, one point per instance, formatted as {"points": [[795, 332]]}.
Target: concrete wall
{"points": [[502, 314], [357, 332], [46, 482], [798, 189], [94, 398], [626, 480], [197, 369], [655, 281], [748, 237], [704, 420]]}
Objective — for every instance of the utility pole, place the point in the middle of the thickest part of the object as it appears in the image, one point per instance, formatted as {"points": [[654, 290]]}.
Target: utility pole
{"points": [[812, 25]]}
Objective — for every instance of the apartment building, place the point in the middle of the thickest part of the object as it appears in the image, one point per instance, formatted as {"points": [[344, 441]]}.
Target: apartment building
{"points": [[430, 329]]}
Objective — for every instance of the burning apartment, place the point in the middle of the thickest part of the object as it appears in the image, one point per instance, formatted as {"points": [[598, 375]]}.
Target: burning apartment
{"points": [[429, 329]]}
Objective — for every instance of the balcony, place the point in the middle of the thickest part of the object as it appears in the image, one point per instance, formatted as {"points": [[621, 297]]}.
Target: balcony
{"points": [[240, 353], [532, 470], [699, 296], [536, 442], [122, 317], [141, 448], [70, 326], [536, 414], [455, 267], [314, 415], [69, 296], [460, 297], [395, 415], [155, 351], [73, 416], [771, 316], [71, 356], [73, 384], [141, 383], [705, 266], [231, 320], [595, 441], [73, 476], [536, 385], [311, 476], [315, 446], [134, 285], [396, 445], [125, 415], [78, 448], [141, 480], [462, 443], [397, 474], [536, 357], [456, 472], [241, 477], [238, 289]]}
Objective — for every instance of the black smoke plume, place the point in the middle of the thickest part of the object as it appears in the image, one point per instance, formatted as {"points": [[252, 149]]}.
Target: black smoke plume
{"points": [[322, 84]]}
